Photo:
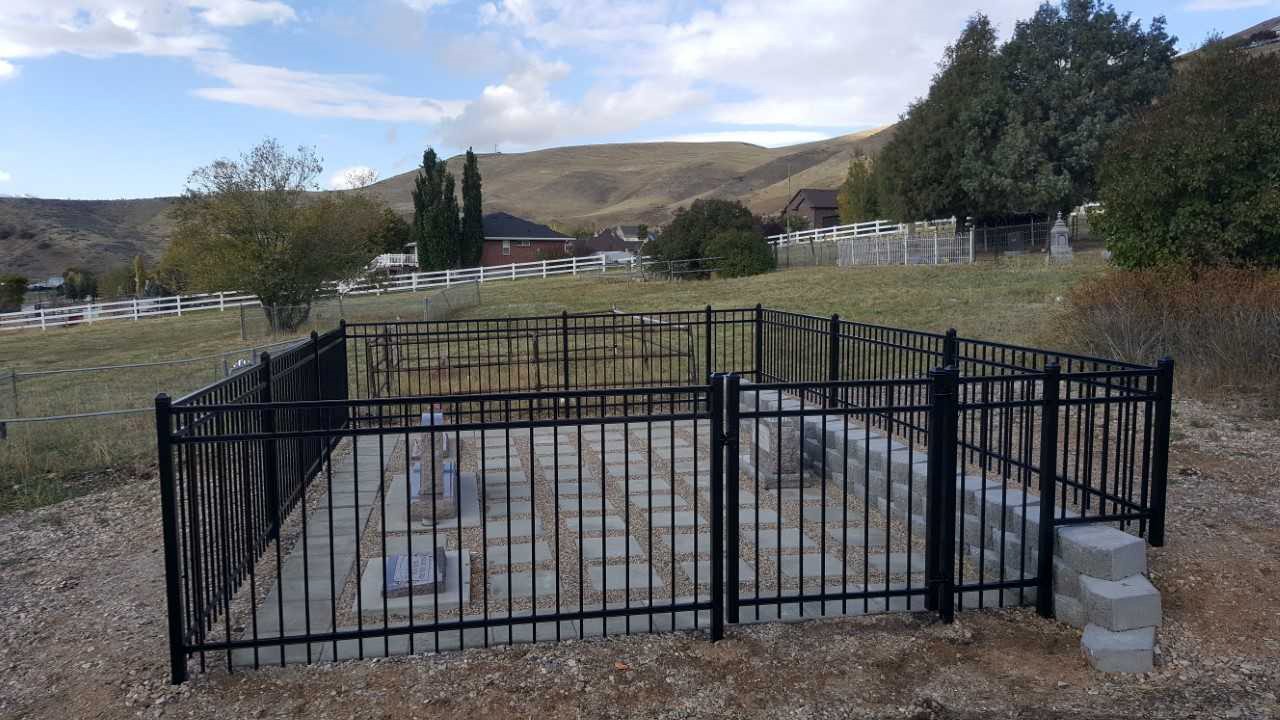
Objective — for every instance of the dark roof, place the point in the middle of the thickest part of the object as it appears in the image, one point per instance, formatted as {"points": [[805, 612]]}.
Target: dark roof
{"points": [[503, 225], [607, 240], [814, 198], [1261, 38]]}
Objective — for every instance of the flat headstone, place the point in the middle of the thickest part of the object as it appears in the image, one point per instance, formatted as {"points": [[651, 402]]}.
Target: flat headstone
{"points": [[457, 576]]}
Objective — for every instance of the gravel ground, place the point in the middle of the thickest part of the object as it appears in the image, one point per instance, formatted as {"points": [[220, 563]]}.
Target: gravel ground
{"points": [[83, 632]]}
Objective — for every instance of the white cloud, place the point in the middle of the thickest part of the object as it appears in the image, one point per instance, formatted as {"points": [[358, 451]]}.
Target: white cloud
{"points": [[1219, 5], [317, 94], [236, 13], [7, 70], [350, 178], [102, 28], [5, 177], [802, 63], [423, 5], [764, 138]]}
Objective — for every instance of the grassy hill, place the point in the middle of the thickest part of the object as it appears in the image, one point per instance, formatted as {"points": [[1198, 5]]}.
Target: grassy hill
{"points": [[588, 184]]}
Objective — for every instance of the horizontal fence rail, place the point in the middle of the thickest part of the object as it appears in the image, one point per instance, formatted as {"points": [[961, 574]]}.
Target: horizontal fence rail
{"points": [[393, 487]]}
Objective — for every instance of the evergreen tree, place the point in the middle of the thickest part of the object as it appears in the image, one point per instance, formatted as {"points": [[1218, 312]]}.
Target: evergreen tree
{"points": [[450, 224], [472, 212], [426, 198]]}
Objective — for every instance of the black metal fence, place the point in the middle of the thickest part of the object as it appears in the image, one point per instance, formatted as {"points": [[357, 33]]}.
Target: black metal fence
{"points": [[423, 486]]}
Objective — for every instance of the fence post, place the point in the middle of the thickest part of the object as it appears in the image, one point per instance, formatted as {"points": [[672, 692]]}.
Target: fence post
{"points": [[179, 299], [135, 308], [1160, 453], [709, 344], [950, 349], [222, 301], [715, 396], [940, 497], [271, 468], [13, 384], [732, 398], [1048, 488], [544, 269], [564, 345], [759, 341], [833, 358], [169, 523]]}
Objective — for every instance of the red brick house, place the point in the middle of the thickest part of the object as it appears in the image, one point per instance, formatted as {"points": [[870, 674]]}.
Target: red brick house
{"points": [[509, 239]]}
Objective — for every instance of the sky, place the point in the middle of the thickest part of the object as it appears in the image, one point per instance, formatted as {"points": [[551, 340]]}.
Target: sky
{"points": [[103, 99]]}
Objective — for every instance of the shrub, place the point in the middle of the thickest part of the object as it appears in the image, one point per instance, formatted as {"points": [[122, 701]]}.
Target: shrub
{"points": [[1194, 179], [741, 253], [1221, 326], [13, 288], [686, 236]]}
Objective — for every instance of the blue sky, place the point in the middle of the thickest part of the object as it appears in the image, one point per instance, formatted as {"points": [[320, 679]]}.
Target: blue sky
{"points": [[123, 98]]}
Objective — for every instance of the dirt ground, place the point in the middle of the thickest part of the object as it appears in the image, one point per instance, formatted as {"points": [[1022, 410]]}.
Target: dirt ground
{"points": [[82, 632]]}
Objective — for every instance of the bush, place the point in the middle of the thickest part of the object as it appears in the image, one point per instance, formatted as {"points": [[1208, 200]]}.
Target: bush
{"points": [[1194, 180], [686, 236], [741, 253], [1221, 327], [13, 288]]}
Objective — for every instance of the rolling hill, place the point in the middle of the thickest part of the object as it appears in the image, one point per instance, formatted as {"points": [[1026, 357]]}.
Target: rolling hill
{"points": [[589, 184]]}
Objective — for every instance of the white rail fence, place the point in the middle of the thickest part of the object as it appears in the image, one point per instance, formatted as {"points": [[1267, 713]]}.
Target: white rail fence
{"points": [[178, 305], [872, 228]]}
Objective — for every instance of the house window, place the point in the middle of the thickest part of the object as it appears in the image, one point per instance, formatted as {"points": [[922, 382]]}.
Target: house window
{"points": [[506, 247], [523, 243]]}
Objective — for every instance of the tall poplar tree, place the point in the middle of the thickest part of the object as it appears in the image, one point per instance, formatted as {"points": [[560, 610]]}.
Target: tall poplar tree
{"points": [[472, 212], [426, 201]]}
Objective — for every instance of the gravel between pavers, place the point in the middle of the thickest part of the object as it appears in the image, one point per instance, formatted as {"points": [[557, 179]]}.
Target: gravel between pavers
{"points": [[83, 632]]}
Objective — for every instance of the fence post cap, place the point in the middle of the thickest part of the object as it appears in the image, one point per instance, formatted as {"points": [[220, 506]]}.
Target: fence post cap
{"points": [[1165, 362], [951, 332]]}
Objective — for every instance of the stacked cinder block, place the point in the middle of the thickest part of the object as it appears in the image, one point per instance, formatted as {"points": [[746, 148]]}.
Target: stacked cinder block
{"points": [[1099, 581], [1099, 584]]}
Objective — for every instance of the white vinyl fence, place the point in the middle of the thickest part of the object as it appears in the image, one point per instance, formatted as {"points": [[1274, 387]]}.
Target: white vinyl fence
{"points": [[179, 305], [872, 228]]}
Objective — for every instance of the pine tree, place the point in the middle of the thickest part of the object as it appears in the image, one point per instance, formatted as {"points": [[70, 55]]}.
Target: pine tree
{"points": [[472, 212]]}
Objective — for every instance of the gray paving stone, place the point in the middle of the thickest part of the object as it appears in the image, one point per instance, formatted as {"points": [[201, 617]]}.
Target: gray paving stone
{"points": [[643, 486], [517, 554], [769, 540], [680, 519], [533, 632], [896, 563], [872, 538], [616, 577], [500, 491], [522, 584], [583, 488], [613, 548], [658, 501], [753, 517], [519, 528], [684, 543], [595, 523], [502, 509], [812, 566], [745, 572]]}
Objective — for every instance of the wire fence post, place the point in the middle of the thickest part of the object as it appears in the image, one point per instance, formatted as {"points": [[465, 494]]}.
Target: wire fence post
{"points": [[1160, 456], [169, 523], [1048, 488]]}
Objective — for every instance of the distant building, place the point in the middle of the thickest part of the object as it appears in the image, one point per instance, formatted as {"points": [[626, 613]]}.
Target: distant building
{"points": [[616, 239], [509, 239], [818, 207], [1263, 38]]}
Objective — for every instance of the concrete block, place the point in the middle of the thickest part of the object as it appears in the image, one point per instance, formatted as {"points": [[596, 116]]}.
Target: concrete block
{"points": [[1069, 610], [1124, 651], [1101, 551], [1066, 581], [1126, 604]]}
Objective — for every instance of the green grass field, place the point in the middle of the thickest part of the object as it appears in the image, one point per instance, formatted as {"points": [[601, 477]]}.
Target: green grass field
{"points": [[1012, 301]]}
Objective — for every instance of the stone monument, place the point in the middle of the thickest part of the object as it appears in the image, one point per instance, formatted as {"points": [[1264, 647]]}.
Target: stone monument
{"points": [[434, 457], [1060, 242]]}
